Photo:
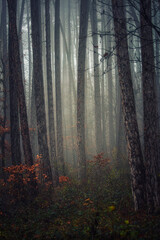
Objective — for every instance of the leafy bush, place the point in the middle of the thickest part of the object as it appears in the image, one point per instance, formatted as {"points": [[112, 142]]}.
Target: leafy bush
{"points": [[102, 209]]}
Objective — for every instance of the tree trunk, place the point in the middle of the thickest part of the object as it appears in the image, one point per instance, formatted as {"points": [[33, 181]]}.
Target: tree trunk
{"points": [[84, 10], [150, 107], [14, 118], [110, 91], [103, 87], [20, 33], [16, 78], [97, 99], [71, 83], [30, 63], [60, 154], [5, 79], [68, 58], [52, 140], [38, 87], [128, 107]]}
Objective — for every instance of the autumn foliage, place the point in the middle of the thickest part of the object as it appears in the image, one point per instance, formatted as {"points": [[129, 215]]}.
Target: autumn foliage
{"points": [[64, 179], [21, 183], [102, 209]]}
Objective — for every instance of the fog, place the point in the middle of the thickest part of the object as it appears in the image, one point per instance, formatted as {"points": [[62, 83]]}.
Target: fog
{"points": [[80, 82]]}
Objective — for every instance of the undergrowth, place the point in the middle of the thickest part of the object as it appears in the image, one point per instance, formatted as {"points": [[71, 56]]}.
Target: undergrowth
{"points": [[100, 209]]}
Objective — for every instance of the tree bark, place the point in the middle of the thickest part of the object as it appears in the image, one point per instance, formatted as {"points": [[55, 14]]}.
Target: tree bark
{"points": [[103, 87], [97, 99], [16, 78], [20, 33], [52, 140], [60, 154], [30, 63], [5, 79], [38, 87], [84, 10], [110, 91], [14, 117], [149, 107], [128, 106], [71, 83]]}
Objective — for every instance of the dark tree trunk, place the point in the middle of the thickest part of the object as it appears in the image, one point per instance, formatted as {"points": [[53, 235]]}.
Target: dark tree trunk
{"points": [[60, 154], [5, 77], [110, 90], [71, 82], [16, 78], [84, 11], [103, 88], [38, 87], [33, 124], [52, 140], [14, 117], [20, 33], [150, 107], [30, 63], [128, 107], [97, 99]]}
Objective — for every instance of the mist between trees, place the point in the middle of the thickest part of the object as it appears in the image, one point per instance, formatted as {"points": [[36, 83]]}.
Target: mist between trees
{"points": [[78, 79]]}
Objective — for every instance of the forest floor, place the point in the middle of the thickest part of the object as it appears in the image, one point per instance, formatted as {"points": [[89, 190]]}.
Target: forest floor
{"points": [[100, 209]]}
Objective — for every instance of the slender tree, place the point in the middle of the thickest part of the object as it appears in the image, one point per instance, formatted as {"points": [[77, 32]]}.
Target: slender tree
{"points": [[84, 11], [149, 106], [71, 81], [5, 77], [97, 96], [60, 154], [108, 47], [52, 140], [128, 106], [103, 84], [14, 118], [38, 87], [29, 59], [17, 82], [20, 33]]}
